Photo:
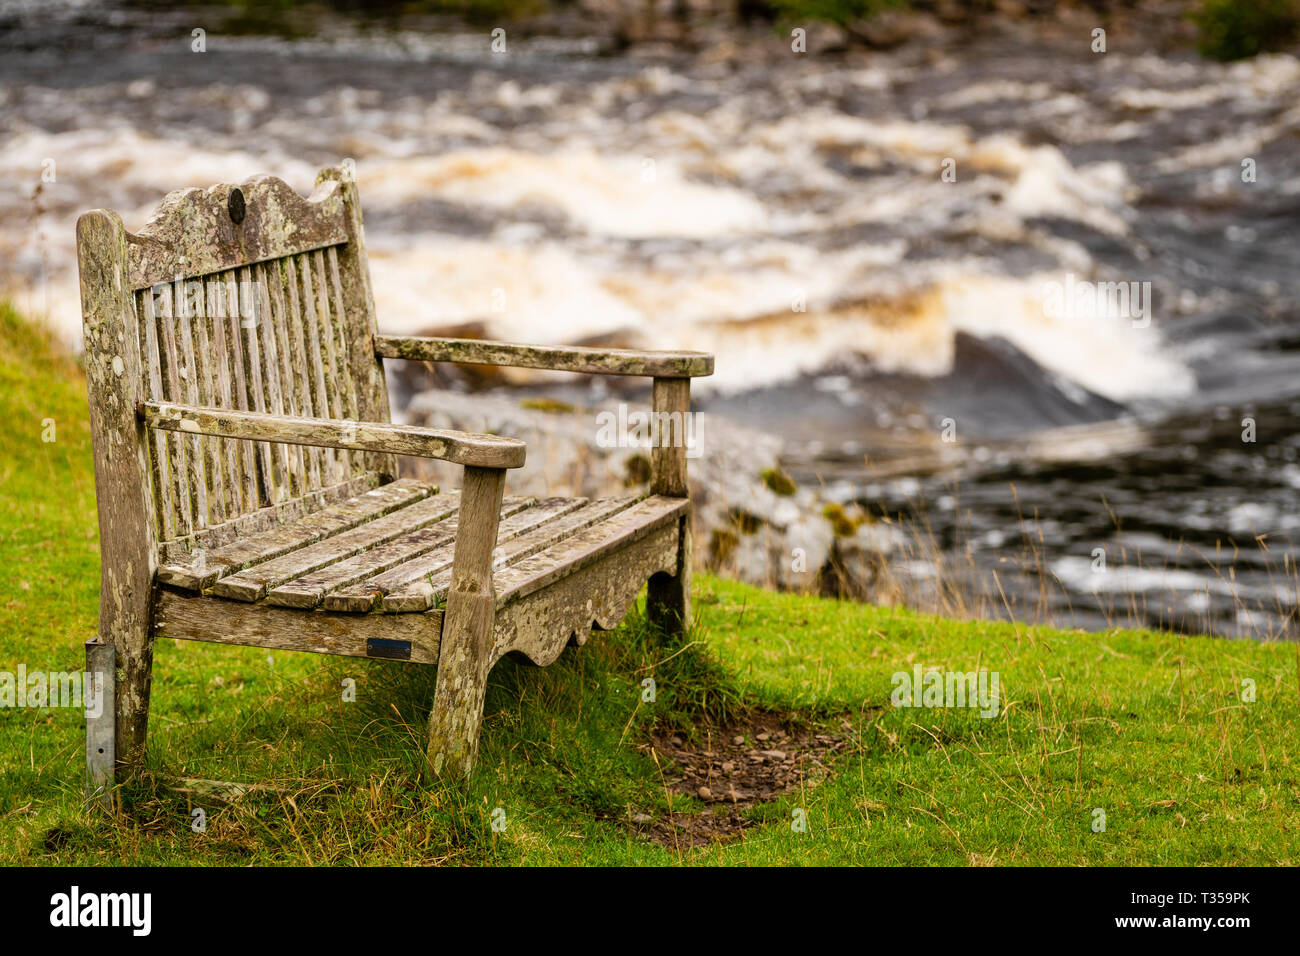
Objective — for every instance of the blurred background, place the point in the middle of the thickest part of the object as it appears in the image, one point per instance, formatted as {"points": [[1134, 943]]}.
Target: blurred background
{"points": [[860, 206]]}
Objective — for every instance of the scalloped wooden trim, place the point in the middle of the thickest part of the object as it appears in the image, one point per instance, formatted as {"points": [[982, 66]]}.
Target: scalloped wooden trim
{"points": [[192, 232], [540, 626]]}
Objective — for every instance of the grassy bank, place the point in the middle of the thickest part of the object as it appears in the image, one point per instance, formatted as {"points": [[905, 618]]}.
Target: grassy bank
{"points": [[1148, 727], [1224, 29]]}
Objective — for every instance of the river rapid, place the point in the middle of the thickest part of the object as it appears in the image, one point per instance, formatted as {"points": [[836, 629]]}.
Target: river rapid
{"points": [[893, 255]]}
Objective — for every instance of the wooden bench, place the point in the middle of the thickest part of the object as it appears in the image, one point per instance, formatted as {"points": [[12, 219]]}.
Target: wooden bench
{"points": [[247, 481]]}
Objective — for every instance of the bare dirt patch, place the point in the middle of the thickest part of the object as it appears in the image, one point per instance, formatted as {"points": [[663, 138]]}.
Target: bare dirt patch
{"points": [[731, 769]]}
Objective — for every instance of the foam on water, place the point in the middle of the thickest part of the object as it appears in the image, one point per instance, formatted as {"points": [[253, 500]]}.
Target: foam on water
{"points": [[736, 294], [785, 224], [620, 196]]}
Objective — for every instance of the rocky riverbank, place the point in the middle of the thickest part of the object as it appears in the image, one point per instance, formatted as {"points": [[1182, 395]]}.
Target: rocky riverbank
{"points": [[752, 521], [718, 30]]}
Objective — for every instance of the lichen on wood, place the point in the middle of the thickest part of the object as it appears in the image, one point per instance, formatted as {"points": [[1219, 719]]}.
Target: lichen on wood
{"points": [[246, 467], [557, 358]]}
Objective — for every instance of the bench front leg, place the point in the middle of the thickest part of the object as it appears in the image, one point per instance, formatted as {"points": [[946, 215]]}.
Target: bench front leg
{"points": [[668, 599], [466, 647]]}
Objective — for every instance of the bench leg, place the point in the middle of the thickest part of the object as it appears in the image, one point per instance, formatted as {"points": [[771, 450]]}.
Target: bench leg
{"points": [[465, 651], [117, 710], [133, 675], [461, 686], [668, 598], [101, 722], [668, 602], [128, 549]]}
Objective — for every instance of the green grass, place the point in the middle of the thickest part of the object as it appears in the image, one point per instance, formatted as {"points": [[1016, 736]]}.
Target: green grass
{"points": [[1147, 726]]}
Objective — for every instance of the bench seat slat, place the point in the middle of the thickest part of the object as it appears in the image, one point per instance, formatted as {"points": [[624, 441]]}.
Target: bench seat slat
{"points": [[424, 591], [391, 550], [361, 594], [309, 590], [201, 569], [574, 553], [252, 583]]}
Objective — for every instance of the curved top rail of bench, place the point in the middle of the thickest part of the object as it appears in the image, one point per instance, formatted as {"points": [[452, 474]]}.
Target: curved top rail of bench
{"points": [[196, 232]]}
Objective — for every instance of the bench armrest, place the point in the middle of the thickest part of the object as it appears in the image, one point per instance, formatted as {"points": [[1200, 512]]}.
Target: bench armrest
{"points": [[560, 358], [462, 448]]}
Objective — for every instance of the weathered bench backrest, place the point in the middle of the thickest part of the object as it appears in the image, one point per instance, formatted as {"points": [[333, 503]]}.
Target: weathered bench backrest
{"points": [[249, 298]]}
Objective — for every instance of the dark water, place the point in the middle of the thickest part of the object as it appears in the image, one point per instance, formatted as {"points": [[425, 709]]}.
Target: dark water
{"points": [[789, 214]]}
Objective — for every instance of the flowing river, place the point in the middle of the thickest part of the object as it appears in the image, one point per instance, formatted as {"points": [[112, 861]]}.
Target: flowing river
{"points": [[1036, 304]]}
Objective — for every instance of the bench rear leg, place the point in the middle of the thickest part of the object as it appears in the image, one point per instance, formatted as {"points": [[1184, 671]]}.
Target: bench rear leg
{"points": [[120, 665], [133, 678], [127, 544], [668, 600], [99, 698], [668, 597]]}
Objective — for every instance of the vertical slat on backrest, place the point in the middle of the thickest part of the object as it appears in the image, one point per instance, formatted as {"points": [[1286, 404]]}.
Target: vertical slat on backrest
{"points": [[303, 458], [310, 267], [289, 311], [317, 360], [292, 455], [352, 330], [273, 397], [195, 453], [224, 333], [343, 381], [248, 453], [203, 388], [273, 316], [160, 450], [179, 447], [255, 376], [350, 278]]}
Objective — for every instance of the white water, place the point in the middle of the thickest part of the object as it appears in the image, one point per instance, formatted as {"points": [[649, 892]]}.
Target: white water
{"points": [[614, 211]]}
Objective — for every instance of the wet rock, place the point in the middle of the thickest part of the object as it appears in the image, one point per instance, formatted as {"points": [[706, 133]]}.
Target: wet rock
{"points": [[744, 529]]}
